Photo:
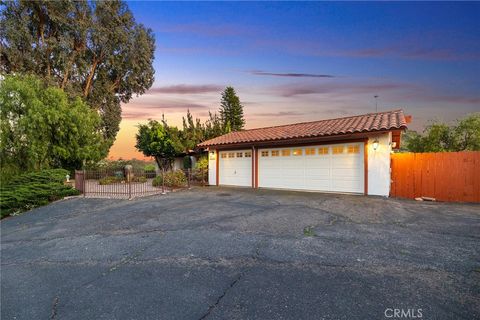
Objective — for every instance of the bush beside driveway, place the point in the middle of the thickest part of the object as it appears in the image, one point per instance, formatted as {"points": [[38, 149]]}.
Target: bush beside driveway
{"points": [[238, 253]]}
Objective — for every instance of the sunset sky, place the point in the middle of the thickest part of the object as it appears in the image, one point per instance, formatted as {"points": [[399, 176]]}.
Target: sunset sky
{"points": [[292, 62]]}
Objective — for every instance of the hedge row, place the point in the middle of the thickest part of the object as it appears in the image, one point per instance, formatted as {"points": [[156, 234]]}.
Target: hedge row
{"points": [[34, 189]]}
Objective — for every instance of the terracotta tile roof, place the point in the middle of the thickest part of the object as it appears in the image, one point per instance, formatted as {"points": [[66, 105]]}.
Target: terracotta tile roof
{"points": [[371, 122]]}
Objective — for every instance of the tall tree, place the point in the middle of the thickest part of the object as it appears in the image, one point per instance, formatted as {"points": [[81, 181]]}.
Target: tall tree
{"points": [[231, 111], [93, 50], [41, 127]]}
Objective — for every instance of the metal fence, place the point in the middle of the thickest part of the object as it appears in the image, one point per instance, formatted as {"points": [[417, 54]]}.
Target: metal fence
{"points": [[128, 184]]}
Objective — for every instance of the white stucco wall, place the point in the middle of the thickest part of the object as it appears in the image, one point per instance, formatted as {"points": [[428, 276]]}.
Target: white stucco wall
{"points": [[177, 163], [379, 165], [212, 168]]}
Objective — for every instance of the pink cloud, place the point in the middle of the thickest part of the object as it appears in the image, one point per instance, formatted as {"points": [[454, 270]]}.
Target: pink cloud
{"points": [[187, 89]]}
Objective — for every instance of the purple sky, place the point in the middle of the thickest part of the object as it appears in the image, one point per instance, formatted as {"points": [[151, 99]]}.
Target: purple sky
{"points": [[292, 62]]}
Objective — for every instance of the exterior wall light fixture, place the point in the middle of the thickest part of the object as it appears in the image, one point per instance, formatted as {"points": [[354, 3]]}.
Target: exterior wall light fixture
{"points": [[375, 144], [212, 155]]}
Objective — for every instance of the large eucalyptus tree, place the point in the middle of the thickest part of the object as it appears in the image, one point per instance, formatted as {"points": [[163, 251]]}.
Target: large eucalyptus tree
{"points": [[93, 50]]}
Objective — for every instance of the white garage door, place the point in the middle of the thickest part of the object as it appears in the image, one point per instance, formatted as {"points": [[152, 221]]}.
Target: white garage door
{"points": [[235, 168], [336, 168]]}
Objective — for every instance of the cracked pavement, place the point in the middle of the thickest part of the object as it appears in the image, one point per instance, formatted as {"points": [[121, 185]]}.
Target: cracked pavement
{"points": [[218, 253]]}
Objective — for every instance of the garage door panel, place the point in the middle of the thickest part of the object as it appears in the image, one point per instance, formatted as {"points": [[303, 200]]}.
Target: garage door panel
{"points": [[318, 184], [346, 162], [323, 172], [317, 163], [340, 172], [346, 172], [347, 186]]}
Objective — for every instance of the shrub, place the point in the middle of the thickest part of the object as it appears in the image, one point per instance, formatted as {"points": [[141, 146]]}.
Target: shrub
{"points": [[45, 176], [157, 181], [110, 180], [140, 179], [29, 190], [120, 164], [149, 167], [7, 172], [201, 169], [202, 163], [172, 179]]}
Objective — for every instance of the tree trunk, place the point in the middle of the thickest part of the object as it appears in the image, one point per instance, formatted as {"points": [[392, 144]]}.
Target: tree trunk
{"points": [[90, 77], [159, 164]]}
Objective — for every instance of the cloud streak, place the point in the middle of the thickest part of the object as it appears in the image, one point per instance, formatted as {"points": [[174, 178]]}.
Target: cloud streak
{"points": [[154, 110], [407, 49], [290, 75], [186, 89], [298, 89]]}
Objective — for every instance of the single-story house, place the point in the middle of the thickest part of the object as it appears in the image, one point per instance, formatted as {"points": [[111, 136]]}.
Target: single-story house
{"points": [[343, 155]]}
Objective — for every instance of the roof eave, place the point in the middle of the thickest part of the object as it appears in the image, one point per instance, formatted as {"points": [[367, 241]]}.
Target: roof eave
{"points": [[313, 139]]}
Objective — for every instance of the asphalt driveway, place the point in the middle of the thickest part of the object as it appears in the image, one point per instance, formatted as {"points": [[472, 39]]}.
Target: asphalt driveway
{"points": [[219, 253]]}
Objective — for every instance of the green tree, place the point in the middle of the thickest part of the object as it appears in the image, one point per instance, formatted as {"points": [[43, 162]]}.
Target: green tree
{"points": [[467, 133], [42, 128], [158, 140], [94, 50], [193, 132], [231, 111], [440, 137], [213, 126]]}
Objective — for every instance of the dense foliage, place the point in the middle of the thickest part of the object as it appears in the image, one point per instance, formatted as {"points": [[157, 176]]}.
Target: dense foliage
{"points": [[194, 131], [159, 141], [187, 162], [137, 165], [33, 189], [202, 163], [42, 128], [173, 179], [201, 169], [121, 179], [91, 49], [440, 137]]}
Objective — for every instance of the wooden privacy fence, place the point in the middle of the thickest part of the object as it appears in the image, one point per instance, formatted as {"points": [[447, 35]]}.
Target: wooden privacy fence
{"points": [[445, 176]]}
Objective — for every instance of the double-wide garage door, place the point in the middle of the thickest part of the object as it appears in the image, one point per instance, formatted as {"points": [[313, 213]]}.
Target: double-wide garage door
{"points": [[336, 168]]}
